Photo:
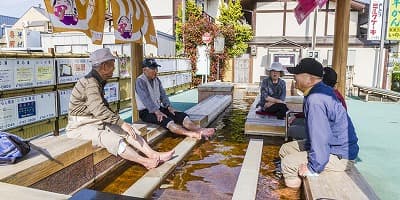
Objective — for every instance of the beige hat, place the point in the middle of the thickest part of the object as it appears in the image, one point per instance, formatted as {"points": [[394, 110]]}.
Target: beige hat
{"points": [[276, 66], [101, 55]]}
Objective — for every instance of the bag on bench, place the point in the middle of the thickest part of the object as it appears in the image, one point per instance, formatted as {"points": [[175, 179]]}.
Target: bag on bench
{"points": [[12, 148]]}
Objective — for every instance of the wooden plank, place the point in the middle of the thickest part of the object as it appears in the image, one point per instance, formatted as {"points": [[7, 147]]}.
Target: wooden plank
{"points": [[36, 166], [339, 185], [145, 186], [252, 128], [246, 186], [269, 125], [211, 107], [15, 192]]}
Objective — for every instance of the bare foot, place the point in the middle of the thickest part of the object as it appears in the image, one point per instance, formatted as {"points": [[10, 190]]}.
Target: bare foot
{"points": [[195, 135], [207, 132], [165, 156], [151, 163]]}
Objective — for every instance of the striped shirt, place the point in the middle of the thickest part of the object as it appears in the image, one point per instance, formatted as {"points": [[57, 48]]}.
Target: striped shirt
{"points": [[270, 89], [87, 99]]}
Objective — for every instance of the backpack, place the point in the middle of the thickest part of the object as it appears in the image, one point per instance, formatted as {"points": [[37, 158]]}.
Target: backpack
{"points": [[12, 148]]}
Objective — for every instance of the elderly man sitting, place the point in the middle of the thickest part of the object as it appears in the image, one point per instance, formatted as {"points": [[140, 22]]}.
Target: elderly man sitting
{"points": [[90, 117], [154, 106]]}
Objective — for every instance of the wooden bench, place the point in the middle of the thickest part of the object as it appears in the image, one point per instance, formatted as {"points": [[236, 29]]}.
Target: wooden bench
{"points": [[377, 91], [347, 185], [205, 112], [63, 156], [266, 124], [52, 169]]}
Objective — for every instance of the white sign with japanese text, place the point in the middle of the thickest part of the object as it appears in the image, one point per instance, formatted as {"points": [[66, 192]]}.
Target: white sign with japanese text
{"points": [[18, 111], [111, 91], [375, 20], [15, 38], [72, 69], [17, 73]]}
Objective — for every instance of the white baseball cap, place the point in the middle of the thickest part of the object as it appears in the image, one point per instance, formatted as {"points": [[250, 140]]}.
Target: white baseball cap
{"points": [[101, 55], [276, 66]]}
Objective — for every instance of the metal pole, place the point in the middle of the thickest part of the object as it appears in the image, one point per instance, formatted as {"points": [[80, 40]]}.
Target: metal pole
{"points": [[183, 22], [381, 47], [314, 36], [217, 68], [208, 62]]}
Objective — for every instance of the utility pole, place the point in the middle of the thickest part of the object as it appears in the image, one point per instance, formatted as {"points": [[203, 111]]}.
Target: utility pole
{"points": [[381, 65]]}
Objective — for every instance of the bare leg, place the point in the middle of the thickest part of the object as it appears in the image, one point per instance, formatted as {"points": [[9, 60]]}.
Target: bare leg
{"points": [[175, 128], [206, 132], [140, 144], [132, 155]]}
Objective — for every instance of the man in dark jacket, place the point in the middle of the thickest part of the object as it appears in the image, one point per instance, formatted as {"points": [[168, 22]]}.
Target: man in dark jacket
{"points": [[332, 141]]}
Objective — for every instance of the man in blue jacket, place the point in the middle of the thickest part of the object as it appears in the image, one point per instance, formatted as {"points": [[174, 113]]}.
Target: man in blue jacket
{"points": [[332, 143]]}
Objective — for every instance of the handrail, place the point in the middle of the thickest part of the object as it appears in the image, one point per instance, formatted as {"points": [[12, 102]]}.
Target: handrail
{"points": [[288, 113]]}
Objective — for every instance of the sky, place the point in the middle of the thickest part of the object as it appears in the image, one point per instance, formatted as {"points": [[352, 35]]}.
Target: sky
{"points": [[16, 8]]}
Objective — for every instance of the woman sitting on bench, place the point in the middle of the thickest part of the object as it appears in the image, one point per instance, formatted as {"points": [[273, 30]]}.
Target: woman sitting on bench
{"points": [[273, 92]]}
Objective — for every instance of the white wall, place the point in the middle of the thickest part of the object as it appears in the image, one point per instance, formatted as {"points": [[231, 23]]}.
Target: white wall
{"points": [[31, 15], [271, 24], [265, 26], [164, 25], [363, 60], [270, 5], [366, 59], [353, 25], [162, 8], [258, 68], [213, 8]]}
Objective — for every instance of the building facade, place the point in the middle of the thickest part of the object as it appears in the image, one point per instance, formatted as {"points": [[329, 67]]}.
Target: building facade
{"points": [[278, 37]]}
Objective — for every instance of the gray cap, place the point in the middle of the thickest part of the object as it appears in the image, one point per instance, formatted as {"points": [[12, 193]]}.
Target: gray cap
{"points": [[101, 55], [276, 66]]}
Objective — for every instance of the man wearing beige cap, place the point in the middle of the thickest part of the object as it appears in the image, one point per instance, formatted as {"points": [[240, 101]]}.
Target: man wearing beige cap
{"points": [[90, 117]]}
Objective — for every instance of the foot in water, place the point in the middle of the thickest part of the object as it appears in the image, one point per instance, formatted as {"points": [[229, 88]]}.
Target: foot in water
{"points": [[207, 132], [165, 156], [151, 163]]}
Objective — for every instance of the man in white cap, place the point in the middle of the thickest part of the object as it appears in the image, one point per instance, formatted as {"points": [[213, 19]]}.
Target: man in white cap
{"points": [[154, 106], [90, 117], [273, 92]]}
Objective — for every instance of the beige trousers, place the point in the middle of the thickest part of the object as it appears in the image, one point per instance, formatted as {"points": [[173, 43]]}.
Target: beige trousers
{"points": [[293, 154], [101, 134]]}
